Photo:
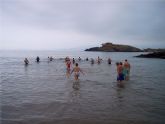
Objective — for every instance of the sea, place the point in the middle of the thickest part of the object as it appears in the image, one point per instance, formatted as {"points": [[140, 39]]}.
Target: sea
{"points": [[40, 93]]}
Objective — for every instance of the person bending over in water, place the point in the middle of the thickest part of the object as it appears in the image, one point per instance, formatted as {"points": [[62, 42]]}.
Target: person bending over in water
{"points": [[76, 71], [26, 61]]}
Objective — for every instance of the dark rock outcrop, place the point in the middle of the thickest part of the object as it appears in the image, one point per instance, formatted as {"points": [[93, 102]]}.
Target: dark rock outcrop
{"points": [[109, 47], [153, 50], [160, 55]]}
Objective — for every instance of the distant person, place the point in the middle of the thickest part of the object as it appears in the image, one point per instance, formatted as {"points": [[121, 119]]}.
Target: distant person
{"points": [[48, 59], [87, 59], [67, 59], [126, 70], [37, 59], [26, 61], [73, 61], [68, 66], [92, 61], [109, 61], [120, 72], [79, 58], [51, 58], [76, 71], [98, 60]]}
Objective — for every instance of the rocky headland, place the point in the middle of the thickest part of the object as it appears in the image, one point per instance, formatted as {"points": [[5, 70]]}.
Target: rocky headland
{"points": [[153, 50], [160, 55]]}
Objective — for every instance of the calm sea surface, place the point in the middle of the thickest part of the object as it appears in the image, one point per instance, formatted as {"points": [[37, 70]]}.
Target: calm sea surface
{"points": [[40, 93]]}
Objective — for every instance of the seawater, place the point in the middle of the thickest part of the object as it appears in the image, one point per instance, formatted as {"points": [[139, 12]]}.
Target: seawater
{"points": [[40, 93]]}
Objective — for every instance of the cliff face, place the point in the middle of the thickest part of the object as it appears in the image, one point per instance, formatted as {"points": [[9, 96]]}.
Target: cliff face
{"points": [[109, 47]]}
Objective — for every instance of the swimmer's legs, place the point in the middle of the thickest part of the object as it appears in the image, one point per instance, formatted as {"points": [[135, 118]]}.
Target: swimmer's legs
{"points": [[68, 73], [76, 77]]}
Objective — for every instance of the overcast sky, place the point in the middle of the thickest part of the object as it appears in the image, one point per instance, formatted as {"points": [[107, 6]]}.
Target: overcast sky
{"points": [[70, 24]]}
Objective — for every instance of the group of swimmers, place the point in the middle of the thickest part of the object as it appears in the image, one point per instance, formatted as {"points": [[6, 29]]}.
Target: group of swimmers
{"points": [[75, 69], [123, 71], [26, 61], [92, 61]]}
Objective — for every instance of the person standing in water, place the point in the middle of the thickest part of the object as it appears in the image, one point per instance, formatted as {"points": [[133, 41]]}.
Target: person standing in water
{"points": [[26, 61], [37, 59], [76, 71], [73, 60], [87, 59], [68, 66], [51, 58], [126, 70], [79, 59], [92, 61], [120, 76], [98, 60], [109, 61]]}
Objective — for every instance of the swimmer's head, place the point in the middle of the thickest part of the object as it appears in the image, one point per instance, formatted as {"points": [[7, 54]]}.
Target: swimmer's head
{"points": [[117, 63], [126, 60], [76, 64]]}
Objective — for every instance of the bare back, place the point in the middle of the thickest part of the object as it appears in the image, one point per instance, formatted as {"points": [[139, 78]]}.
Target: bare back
{"points": [[77, 69]]}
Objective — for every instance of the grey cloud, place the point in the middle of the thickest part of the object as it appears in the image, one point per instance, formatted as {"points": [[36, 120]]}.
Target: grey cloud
{"points": [[107, 19]]}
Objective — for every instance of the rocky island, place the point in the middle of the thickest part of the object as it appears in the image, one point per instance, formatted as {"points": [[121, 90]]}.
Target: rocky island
{"points": [[109, 47]]}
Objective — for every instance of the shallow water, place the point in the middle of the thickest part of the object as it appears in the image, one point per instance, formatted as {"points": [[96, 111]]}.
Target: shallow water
{"points": [[40, 93]]}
